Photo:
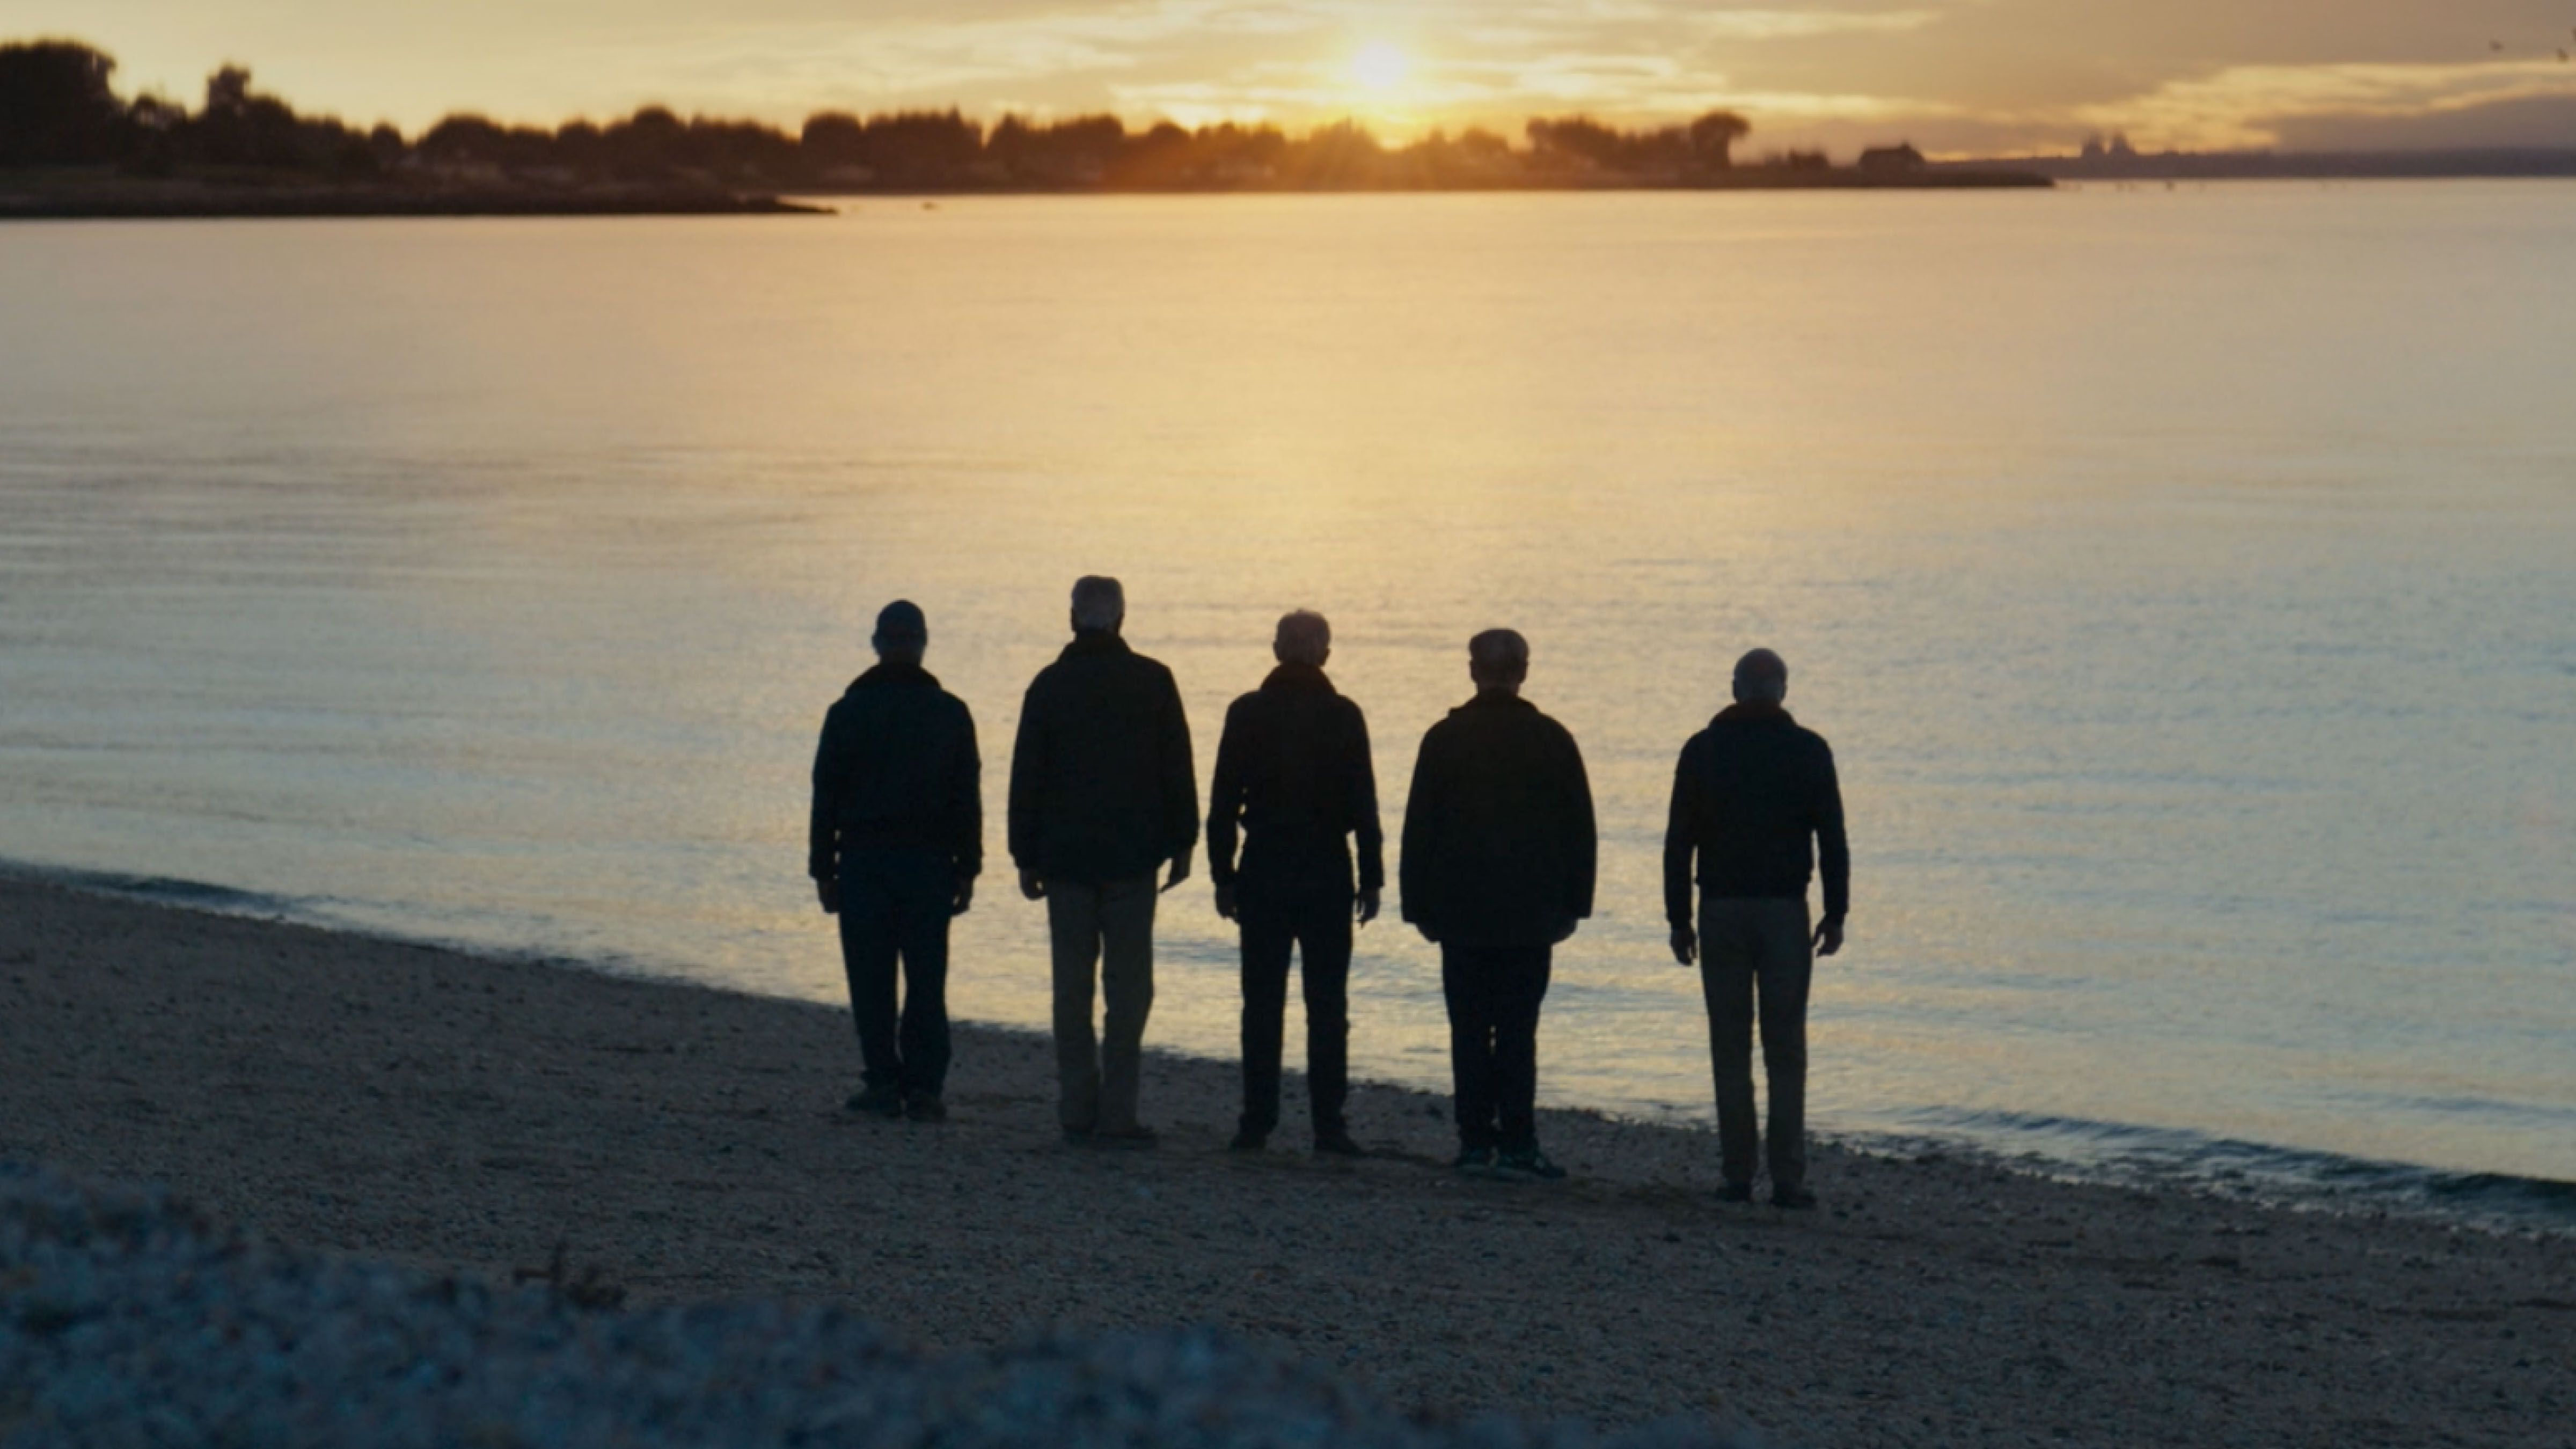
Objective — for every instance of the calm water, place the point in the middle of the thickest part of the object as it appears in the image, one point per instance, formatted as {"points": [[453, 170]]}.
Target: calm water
{"points": [[2187, 582]]}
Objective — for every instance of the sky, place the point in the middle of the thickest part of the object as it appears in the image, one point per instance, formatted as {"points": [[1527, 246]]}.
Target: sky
{"points": [[1955, 77]]}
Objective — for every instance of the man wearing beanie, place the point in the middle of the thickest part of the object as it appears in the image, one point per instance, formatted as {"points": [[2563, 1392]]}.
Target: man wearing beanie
{"points": [[1756, 802], [895, 844]]}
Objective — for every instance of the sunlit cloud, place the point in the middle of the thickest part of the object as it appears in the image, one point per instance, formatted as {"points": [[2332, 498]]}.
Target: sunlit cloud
{"points": [[2246, 107]]}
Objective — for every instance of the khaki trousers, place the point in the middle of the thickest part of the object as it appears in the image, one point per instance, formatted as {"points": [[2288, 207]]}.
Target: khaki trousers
{"points": [[1748, 949], [1107, 928]]}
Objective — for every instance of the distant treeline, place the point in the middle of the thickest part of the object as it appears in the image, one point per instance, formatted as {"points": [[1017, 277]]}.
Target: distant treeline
{"points": [[58, 108]]}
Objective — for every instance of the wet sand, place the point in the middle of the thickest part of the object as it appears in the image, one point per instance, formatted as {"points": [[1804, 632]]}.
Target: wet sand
{"points": [[404, 1102]]}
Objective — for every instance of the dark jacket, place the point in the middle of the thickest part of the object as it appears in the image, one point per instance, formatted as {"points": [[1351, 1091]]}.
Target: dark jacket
{"points": [[1101, 782], [1756, 799], [897, 767], [1498, 835], [1293, 765]]}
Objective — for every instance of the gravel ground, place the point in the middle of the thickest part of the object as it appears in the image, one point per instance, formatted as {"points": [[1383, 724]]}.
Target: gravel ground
{"points": [[466, 1116], [127, 1318]]}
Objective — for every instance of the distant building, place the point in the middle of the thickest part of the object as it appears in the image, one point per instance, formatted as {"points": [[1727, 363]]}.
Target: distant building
{"points": [[1902, 158]]}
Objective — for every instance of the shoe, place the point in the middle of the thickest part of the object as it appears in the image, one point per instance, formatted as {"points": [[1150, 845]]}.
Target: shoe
{"points": [[1736, 1192], [1337, 1144], [1797, 1199], [1529, 1163], [925, 1109], [1077, 1137], [1475, 1161], [1248, 1141], [1125, 1139], [876, 1101]]}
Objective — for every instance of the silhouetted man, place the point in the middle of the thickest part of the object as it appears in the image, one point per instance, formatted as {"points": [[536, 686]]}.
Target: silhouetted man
{"points": [[1102, 794], [1293, 767], [1498, 863], [1756, 801], [895, 843]]}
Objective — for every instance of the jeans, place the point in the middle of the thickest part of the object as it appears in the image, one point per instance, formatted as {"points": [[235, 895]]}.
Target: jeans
{"points": [[1494, 994], [1316, 924], [1751, 948], [1105, 927], [895, 907]]}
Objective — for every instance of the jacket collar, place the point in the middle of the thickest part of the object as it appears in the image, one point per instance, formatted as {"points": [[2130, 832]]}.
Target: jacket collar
{"points": [[1494, 699], [1299, 677], [1094, 642], [891, 673], [1759, 711]]}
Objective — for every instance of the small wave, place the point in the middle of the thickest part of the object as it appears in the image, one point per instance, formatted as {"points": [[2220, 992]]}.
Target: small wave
{"points": [[194, 894], [2131, 1154]]}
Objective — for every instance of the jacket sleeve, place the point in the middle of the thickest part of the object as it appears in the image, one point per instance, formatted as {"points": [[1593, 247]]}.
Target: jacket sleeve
{"points": [[1180, 776], [1833, 852], [1681, 839], [1025, 812], [1582, 833], [822, 827], [1363, 807], [1424, 807], [966, 800], [1225, 797]]}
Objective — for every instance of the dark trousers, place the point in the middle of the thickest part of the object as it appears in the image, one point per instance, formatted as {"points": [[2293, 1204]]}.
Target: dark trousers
{"points": [[894, 907], [1755, 964], [1494, 994], [1317, 924]]}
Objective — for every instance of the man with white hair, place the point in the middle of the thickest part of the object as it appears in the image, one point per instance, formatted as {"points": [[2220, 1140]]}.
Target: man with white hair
{"points": [[1102, 794], [1293, 768], [1499, 855], [1756, 801]]}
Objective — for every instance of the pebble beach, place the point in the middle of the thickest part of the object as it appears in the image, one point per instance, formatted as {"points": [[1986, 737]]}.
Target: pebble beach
{"points": [[522, 1127]]}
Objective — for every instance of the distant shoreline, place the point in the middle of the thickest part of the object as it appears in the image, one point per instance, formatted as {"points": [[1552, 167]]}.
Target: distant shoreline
{"points": [[76, 196]]}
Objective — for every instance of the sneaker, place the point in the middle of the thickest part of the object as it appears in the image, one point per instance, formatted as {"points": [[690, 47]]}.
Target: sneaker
{"points": [[1337, 1144], [876, 1101], [1248, 1140], [1528, 1162], [1475, 1161], [925, 1109], [1797, 1199], [1736, 1192], [1127, 1139]]}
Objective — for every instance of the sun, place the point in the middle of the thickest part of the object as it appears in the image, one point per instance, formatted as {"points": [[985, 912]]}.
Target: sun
{"points": [[1380, 66]]}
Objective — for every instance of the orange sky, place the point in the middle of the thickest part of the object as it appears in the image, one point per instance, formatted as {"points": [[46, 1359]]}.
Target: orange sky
{"points": [[1953, 76]]}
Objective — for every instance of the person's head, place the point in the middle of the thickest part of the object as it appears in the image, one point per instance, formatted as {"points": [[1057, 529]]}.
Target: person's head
{"points": [[1099, 605], [1761, 678], [1498, 659], [902, 633], [1303, 638]]}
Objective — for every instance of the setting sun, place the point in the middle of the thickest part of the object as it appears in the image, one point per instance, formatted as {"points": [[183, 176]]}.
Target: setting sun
{"points": [[1380, 66]]}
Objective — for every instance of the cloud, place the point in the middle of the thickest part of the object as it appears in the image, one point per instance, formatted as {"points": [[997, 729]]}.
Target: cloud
{"points": [[2255, 107]]}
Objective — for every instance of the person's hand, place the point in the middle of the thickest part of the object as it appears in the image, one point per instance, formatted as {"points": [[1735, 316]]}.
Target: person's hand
{"points": [[1685, 945], [1031, 886], [1367, 907], [1564, 930], [1428, 934], [1829, 936], [828, 891], [1225, 901], [1180, 870], [965, 896]]}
